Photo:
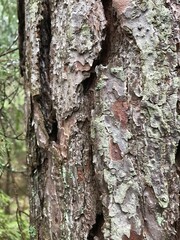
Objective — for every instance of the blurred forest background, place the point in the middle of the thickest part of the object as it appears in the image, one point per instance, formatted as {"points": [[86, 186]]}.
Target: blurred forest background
{"points": [[14, 216]]}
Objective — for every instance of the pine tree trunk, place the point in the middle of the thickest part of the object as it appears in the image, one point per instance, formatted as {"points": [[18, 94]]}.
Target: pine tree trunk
{"points": [[101, 82]]}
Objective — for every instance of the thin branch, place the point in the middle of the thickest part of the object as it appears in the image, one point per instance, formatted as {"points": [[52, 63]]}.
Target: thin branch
{"points": [[3, 169], [24, 213], [9, 51], [14, 138]]}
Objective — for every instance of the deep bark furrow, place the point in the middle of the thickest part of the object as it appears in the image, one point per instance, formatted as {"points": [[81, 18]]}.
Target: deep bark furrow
{"points": [[96, 230], [45, 98], [21, 35], [108, 43], [177, 160]]}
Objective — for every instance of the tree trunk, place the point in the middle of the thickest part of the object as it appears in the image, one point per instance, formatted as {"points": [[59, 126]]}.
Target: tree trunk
{"points": [[101, 81]]}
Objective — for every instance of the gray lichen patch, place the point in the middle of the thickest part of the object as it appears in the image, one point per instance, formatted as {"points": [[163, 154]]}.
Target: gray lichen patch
{"points": [[136, 96]]}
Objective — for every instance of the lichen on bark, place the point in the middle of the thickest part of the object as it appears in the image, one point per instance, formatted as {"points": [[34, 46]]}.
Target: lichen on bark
{"points": [[138, 112], [101, 80]]}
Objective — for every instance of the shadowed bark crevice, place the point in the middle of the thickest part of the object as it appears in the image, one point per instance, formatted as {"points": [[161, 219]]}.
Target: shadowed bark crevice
{"points": [[105, 52], [21, 35], [54, 131], [45, 99], [96, 230], [178, 52], [177, 160], [89, 85], [178, 107], [89, 82], [108, 42], [44, 58]]}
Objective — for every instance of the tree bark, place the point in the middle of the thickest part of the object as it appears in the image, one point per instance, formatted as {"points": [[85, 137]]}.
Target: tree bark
{"points": [[102, 107]]}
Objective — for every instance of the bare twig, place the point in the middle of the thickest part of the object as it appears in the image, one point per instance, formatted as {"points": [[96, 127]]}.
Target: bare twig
{"points": [[9, 51]]}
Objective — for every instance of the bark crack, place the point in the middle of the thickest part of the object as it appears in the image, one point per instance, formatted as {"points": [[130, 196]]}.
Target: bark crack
{"points": [[177, 160], [96, 232], [89, 85], [45, 99], [104, 54], [107, 43], [21, 35]]}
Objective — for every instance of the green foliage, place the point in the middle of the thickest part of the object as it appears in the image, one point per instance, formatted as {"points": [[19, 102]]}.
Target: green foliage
{"points": [[13, 216], [9, 228], [4, 199]]}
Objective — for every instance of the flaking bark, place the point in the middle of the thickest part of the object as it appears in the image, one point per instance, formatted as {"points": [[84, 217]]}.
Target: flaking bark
{"points": [[101, 81]]}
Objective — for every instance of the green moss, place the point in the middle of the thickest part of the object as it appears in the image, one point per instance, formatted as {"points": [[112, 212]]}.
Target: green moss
{"points": [[100, 84], [32, 231]]}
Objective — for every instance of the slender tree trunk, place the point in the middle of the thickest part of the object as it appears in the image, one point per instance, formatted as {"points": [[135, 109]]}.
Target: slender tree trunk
{"points": [[101, 81]]}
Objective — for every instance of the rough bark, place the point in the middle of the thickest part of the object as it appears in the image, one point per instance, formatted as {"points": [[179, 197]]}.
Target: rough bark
{"points": [[101, 80]]}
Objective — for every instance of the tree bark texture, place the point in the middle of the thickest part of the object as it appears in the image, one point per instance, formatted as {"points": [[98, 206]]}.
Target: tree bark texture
{"points": [[102, 107]]}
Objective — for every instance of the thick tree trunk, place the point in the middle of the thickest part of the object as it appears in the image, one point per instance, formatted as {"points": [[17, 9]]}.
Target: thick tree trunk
{"points": [[101, 80]]}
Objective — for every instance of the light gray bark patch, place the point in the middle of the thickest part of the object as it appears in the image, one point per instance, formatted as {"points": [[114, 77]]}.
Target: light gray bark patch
{"points": [[139, 116]]}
